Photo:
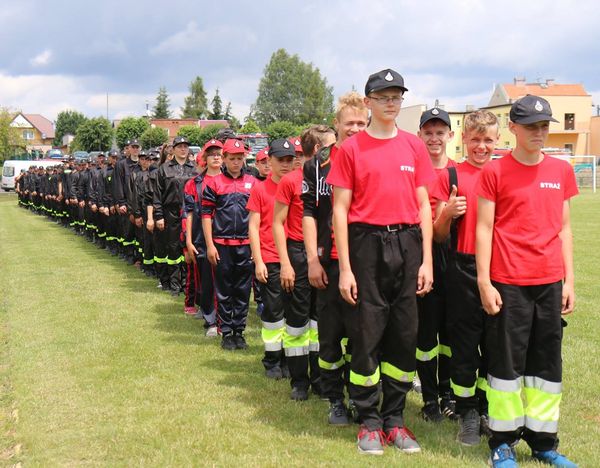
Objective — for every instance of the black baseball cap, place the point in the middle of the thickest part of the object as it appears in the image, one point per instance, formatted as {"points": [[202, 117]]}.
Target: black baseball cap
{"points": [[134, 142], [531, 109], [143, 154], [180, 140], [113, 153], [384, 79], [435, 113], [281, 148]]}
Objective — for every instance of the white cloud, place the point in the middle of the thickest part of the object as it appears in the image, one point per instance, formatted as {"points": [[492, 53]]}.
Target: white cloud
{"points": [[42, 59]]}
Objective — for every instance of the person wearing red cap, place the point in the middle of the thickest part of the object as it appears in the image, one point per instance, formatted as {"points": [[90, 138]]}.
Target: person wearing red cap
{"points": [[225, 225], [202, 274], [167, 203], [263, 164], [524, 257], [266, 258], [299, 158], [323, 270], [382, 227], [298, 346]]}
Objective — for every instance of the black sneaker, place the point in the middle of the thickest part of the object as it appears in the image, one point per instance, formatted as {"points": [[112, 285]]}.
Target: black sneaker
{"points": [[240, 341], [228, 343], [274, 373], [285, 371], [448, 408], [353, 412], [338, 414], [468, 432], [431, 412], [484, 426], [299, 394]]}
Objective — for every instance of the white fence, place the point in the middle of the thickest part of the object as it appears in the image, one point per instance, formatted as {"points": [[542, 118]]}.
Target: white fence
{"points": [[586, 170]]}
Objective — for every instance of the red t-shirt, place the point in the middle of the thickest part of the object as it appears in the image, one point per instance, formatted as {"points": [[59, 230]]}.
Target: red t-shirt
{"points": [[438, 171], [262, 201], [467, 176], [383, 175], [526, 249], [288, 193]]}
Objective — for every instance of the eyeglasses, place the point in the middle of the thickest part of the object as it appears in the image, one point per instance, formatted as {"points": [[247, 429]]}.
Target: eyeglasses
{"points": [[387, 99]]}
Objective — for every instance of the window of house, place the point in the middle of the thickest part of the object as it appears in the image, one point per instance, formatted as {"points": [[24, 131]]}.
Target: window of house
{"points": [[458, 122], [27, 134], [458, 149], [569, 147], [507, 144], [569, 121]]}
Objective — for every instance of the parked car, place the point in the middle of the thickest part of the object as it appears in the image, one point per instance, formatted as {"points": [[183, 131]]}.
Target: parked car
{"points": [[79, 155], [54, 154]]}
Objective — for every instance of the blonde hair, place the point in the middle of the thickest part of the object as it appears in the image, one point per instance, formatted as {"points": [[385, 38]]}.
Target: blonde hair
{"points": [[313, 136], [351, 99], [479, 121]]}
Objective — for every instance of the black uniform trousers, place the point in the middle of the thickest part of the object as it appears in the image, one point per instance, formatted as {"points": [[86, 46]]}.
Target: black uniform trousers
{"points": [[205, 290], [466, 320], [272, 317], [233, 280], [523, 343], [159, 245], [334, 325], [385, 265], [174, 252], [433, 361]]}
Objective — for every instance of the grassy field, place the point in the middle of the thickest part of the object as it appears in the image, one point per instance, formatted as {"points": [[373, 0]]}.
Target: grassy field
{"points": [[100, 368]]}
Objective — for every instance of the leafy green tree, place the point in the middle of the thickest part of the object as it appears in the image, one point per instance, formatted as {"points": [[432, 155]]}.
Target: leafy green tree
{"points": [[153, 136], [11, 141], [131, 127], [94, 135], [209, 132], [281, 129], [250, 127], [67, 121], [161, 108], [195, 106], [234, 123], [217, 107], [193, 133], [292, 90]]}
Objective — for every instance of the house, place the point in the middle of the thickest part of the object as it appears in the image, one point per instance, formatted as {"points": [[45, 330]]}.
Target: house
{"points": [[36, 130], [571, 106]]}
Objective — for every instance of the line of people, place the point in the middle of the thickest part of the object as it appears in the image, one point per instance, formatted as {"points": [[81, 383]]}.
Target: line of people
{"points": [[343, 234]]}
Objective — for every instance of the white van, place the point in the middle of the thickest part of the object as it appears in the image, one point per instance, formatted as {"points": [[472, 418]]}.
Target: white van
{"points": [[13, 168]]}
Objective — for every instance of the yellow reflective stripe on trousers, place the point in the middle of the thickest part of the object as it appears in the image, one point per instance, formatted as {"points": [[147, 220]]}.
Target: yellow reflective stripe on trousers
{"points": [[445, 350], [365, 380], [176, 261], [272, 335], [160, 259], [543, 404], [392, 371], [295, 340], [331, 365], [460, 391], [505, 409], [482, 384], [427, 355], [149, 262], [313, 336]]}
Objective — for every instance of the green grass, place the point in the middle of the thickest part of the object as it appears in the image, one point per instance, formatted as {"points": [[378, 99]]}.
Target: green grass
{"points": [[98, 367]]}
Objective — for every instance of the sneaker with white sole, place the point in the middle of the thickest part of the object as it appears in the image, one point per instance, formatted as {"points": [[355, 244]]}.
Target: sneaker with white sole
{"points": [[370, 442], [503, 456], [403, 439], [212, 331], [469, 429]]}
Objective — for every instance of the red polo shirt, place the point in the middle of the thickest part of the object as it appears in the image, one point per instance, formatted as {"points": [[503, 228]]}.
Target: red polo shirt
{"points": [[288, 193], [262, 201]]}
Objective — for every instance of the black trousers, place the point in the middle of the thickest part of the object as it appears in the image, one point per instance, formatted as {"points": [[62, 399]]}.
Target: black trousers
{"points": [[273, 319], [233, 280], [523, 343], [175, 264], [205, 290], [334, 325], [384, 340], [467, 338], [433, 349], [159, 245]]}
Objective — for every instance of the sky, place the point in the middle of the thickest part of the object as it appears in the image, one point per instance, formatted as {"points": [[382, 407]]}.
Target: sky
{"points": [[58, 54]]}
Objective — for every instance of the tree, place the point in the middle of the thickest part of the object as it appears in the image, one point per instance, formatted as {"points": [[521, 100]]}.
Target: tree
{"points": [[250, 127], [154, 136], [209, 132], [67, 121], [234, 123], [292, 90], [131, 127], [281, 129], [195, 105], [192, 132], [94, 135], [217, 107], [161, 109], [10, 137]]}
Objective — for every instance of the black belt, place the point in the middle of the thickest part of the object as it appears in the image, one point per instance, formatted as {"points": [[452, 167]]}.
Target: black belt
{"points": [[388, 227]]}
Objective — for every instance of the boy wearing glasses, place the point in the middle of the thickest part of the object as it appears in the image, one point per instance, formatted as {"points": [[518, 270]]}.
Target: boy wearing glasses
{"points": [[382, 227]]}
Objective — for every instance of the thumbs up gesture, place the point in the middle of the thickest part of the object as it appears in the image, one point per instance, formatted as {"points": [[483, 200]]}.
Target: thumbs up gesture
{"points": [[457, 205]]}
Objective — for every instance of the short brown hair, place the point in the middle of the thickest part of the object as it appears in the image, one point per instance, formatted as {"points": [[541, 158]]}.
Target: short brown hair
{"points": [[479, 121], [313, 136]]}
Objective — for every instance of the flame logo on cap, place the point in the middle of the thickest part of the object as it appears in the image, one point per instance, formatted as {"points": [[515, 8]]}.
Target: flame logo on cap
{"points": [[266, 151], [389, 77], [286, 145], [237, 144], [538, 106], [297, 142], [212, 142], [435, 112]]}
